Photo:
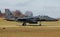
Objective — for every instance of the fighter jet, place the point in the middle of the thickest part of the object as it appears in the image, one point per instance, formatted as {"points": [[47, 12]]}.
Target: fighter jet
{"points": [[28, 18]]}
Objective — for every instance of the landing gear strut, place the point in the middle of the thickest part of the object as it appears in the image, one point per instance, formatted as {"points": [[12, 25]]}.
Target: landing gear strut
{"points": [[24, 24], [40, 24]]}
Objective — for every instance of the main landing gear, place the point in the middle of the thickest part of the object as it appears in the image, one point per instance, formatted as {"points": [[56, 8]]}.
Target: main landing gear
{"points": [[24, 24]]}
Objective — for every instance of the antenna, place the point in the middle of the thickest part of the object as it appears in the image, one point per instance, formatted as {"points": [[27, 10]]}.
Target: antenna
{"points": [[0, 11]]}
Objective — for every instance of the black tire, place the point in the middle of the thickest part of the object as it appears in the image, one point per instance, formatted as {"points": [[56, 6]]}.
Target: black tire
{"points": [[24, 24]]}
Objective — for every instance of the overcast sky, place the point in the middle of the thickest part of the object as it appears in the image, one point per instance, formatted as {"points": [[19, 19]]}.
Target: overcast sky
{"points": [[38, 7]]}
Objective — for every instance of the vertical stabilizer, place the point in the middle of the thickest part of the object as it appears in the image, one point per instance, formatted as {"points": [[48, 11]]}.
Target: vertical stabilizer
{"points": [[9, 15]]}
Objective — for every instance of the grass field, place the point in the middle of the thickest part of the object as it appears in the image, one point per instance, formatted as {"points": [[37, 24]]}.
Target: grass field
{"points": [[28, 31], [15, 29]]}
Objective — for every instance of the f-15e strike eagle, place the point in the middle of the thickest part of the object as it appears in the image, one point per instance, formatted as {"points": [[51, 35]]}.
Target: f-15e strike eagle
{"points": [[27, 18]]}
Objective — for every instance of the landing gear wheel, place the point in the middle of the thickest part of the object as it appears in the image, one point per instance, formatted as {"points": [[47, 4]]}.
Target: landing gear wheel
{"points": [[40, 24], [24, 24]]}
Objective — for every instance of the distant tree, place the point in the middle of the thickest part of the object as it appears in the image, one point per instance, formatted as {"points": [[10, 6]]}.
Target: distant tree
{"points": [[28, 13], [17, 13]]}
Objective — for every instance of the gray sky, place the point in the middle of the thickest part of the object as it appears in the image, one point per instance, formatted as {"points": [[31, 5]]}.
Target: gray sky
{"points": [[38, 7]]}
